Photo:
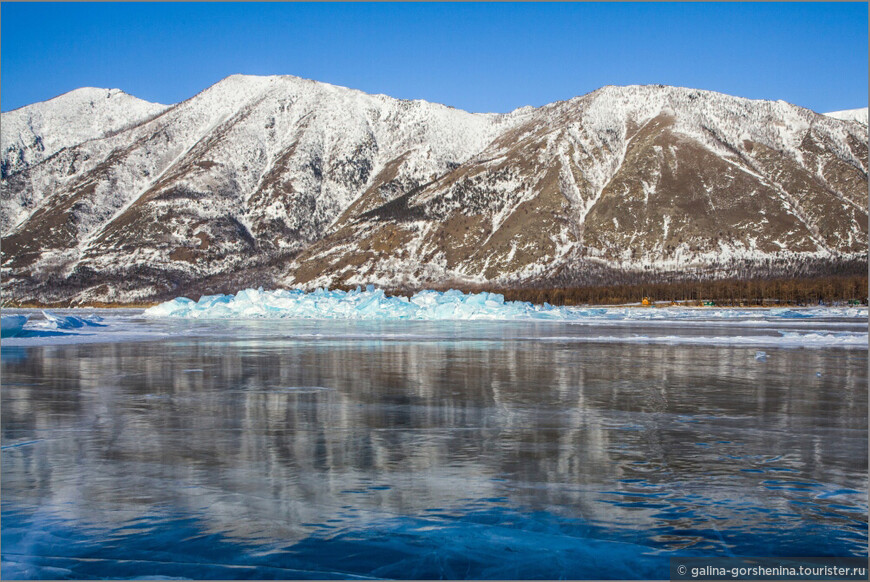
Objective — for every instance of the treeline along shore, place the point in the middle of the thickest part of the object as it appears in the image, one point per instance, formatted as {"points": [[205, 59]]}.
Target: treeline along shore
{"points": [[827, 289], [732, 292], [851, 289]]}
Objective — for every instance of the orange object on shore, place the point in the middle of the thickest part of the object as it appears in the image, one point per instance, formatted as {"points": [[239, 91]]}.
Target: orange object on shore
{"points": [[646, 302]]}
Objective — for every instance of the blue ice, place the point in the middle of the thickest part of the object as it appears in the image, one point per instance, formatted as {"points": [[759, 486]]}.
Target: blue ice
{"points": [[12, 325], [70, 321], [374, 304]]}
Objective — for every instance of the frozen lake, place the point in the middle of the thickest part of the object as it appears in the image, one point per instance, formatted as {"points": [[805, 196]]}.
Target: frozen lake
{"points": [[285, 448]]}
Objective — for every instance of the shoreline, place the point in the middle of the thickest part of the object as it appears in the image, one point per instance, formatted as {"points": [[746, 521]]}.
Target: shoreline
{"points": [[634, 305], [835, 290]]}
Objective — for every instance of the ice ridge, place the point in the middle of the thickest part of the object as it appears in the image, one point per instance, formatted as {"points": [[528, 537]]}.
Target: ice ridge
{"points": [[370, 304], [374, 304]]}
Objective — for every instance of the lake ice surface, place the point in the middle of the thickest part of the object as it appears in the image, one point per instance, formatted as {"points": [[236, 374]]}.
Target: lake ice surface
{"points": [[844, 327], [596, 447]]}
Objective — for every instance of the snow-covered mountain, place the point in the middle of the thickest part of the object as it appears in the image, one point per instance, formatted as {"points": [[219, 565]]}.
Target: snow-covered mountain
{"points": [[286, 181], [859, 115], [35, 132]]}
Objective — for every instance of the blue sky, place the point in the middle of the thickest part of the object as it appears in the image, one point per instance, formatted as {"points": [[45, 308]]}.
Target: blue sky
{"points": [[478, 57]]}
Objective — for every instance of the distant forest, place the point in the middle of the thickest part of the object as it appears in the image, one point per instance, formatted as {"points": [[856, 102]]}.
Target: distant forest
{"points": [[837, 289], [805, 283], [784, 282], [729, 292]]}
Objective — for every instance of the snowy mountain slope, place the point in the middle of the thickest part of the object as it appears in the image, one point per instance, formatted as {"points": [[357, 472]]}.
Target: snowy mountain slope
{"points": [[35, 132], [281, 180], [251, 163], [626, 178], [859, 115]]}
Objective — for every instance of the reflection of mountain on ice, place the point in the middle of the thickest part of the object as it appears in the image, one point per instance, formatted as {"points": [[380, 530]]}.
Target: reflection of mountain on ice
{"points": [[478, 452]]}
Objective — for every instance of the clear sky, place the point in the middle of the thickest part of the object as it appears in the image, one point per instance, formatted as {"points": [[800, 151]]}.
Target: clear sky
{"points": [[478, 57]]}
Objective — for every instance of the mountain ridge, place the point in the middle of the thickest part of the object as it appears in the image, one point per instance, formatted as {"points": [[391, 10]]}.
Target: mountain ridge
{"points": [[22, 136], [296, 182], [859, 115]]}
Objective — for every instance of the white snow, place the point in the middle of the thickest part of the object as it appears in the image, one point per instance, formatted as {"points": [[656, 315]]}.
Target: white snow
{"points": [[859, 115], [244, 124], [35, 132]]}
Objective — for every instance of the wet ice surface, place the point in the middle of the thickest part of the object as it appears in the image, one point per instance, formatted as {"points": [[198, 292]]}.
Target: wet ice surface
{"points": [[397, 319], [427, 449]]}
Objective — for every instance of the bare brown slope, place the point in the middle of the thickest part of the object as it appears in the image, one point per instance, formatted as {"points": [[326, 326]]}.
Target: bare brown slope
{"points": [[671, 199]]}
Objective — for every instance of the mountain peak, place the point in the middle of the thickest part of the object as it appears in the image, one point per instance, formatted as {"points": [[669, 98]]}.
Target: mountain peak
{"points": [[286, 181], [77, 98], [35, 132]]}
